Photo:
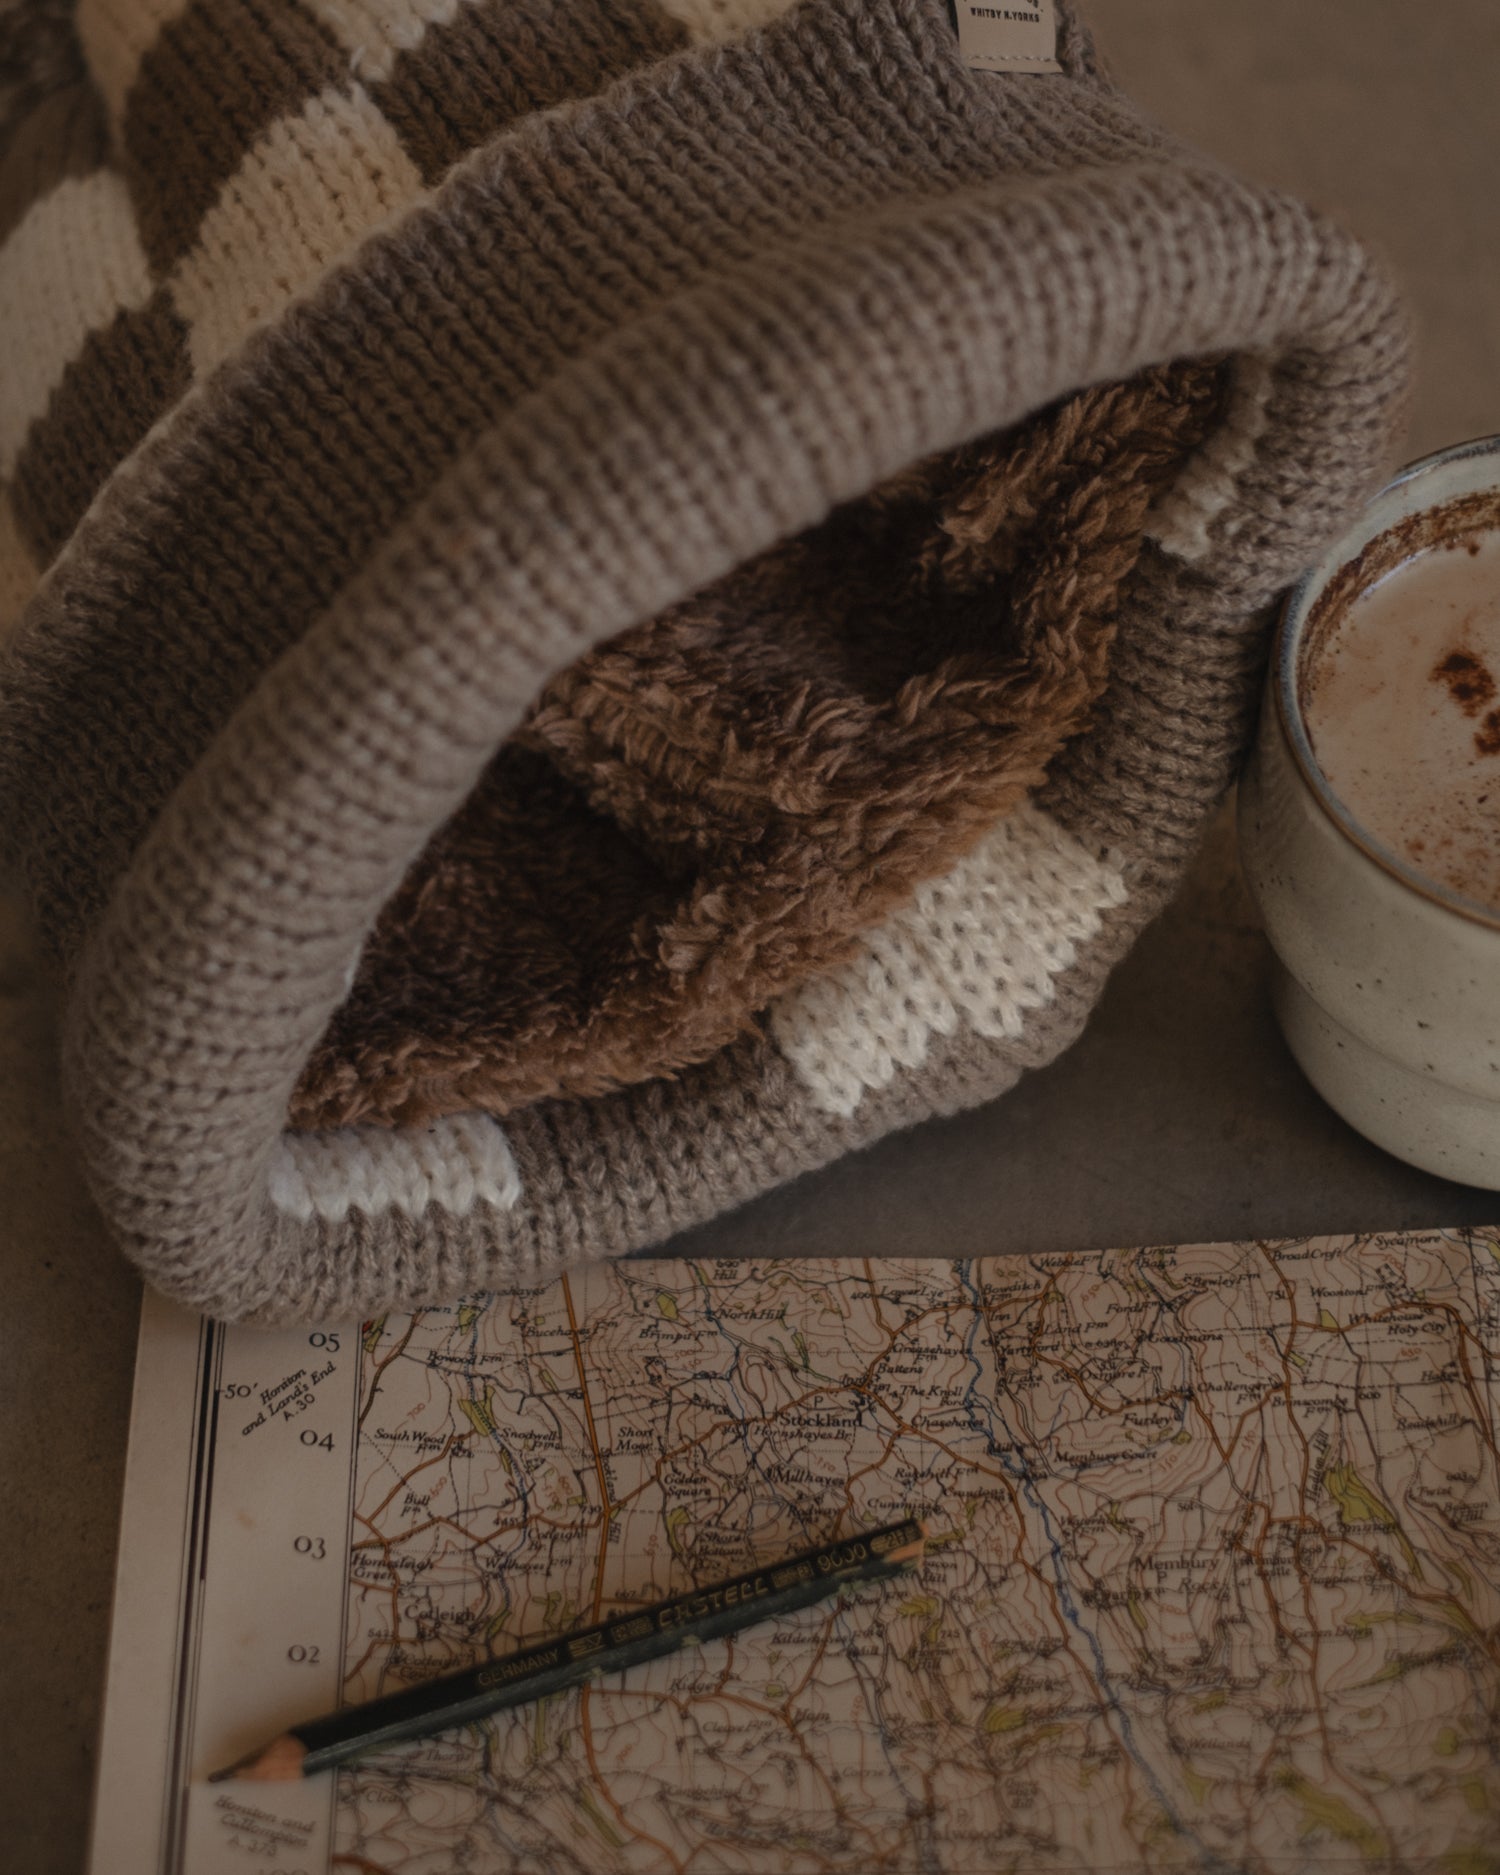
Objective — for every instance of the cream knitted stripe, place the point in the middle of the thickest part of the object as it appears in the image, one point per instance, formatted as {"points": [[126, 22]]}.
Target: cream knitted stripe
{"points": [[1181, 521], [314, 185], [312, 188], [377, 32], [721, 19], [72, 263], [456, 1163], [982, 946], [115, 36]]}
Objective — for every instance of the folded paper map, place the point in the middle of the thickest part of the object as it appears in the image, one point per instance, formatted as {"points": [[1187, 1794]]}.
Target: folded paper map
{"points": [[1214, 1580]]}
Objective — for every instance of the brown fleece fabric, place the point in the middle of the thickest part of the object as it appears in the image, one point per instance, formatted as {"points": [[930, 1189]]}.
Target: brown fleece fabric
{"points": [[714, 805]]}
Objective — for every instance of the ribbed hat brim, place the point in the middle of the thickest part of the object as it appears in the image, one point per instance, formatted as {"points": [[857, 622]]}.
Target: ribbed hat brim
{"points": [[849, 282]]}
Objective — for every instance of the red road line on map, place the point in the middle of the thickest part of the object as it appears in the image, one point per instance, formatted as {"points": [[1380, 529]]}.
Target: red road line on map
{"points": [[600, 1784], [407, 1476], [470, 1537], [683, 1704], [380, 1366], [875, 1295], [1331, 1768], [608, 1795], [588, 1413]]}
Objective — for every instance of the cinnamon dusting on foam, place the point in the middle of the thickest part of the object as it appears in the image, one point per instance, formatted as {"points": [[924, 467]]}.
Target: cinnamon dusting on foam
{"points": [[1401, 698], [1468, 679]]}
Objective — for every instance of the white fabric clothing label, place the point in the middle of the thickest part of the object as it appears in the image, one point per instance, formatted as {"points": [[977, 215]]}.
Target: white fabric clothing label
{"points": [[1018, 37]]}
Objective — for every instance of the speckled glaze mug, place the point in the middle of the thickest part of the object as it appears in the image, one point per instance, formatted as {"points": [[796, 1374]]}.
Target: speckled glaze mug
{"points": [[1387, 982]]}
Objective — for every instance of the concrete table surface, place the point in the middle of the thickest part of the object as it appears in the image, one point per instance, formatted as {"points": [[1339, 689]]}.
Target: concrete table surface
{"points": [[1178, 1117]]}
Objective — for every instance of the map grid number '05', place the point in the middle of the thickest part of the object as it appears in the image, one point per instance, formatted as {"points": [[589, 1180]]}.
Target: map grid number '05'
{"points": [[1213, 1582]]}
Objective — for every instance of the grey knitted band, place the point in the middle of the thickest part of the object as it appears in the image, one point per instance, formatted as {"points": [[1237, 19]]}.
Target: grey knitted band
{"points": [[495, 380]]}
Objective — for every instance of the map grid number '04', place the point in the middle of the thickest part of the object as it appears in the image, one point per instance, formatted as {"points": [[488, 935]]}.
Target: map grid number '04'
{"points": [[1213, 1580]]}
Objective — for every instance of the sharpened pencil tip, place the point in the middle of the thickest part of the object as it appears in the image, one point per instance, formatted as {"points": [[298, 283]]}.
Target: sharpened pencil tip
{"points": [[910, 1554], [280, 1762]]}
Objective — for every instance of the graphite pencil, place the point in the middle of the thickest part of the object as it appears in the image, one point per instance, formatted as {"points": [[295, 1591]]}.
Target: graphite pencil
{"points": [[611, 1646]]}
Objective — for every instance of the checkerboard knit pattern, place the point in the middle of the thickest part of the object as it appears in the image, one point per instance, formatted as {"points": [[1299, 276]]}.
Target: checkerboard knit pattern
{"points": [[605, 600]]}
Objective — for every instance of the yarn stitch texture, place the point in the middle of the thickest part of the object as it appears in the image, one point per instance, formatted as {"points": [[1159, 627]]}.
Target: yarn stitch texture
{"points": [[602, 602]]}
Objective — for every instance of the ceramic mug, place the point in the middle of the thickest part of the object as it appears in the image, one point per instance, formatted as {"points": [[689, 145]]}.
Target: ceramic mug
{"points": [[1387, 983]]}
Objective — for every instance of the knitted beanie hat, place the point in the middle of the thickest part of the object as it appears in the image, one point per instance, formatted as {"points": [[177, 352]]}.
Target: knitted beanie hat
{"points": [[606, 600]]}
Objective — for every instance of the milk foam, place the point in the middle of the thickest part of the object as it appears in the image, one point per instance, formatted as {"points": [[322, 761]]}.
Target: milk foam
{"points": [[1403, 710]]}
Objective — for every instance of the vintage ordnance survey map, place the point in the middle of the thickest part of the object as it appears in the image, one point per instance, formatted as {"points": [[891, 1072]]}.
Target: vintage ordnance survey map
{"points": [[1214, 1580]]}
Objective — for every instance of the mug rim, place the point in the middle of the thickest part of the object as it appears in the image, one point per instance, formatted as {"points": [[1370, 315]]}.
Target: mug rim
{"points": [[1295, 613]]}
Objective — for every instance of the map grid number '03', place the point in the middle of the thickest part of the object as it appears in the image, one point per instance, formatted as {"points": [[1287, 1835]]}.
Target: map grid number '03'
{"points": [[1213, 1579]]}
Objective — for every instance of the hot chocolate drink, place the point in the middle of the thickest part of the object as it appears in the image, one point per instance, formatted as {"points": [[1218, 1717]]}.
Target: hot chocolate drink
{"points": [[1401, 697], [1376, 863]]}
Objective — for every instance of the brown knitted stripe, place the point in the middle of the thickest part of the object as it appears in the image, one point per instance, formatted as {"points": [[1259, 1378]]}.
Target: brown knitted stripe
{"points": [[611, 42], [39, 55], [120, 383], [1167, 730], [498, 60], [661, 1156], [717, 805], [211, 83], [461, 85], [19, 571], [66, 135], [356, 410], [355, 403]]}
